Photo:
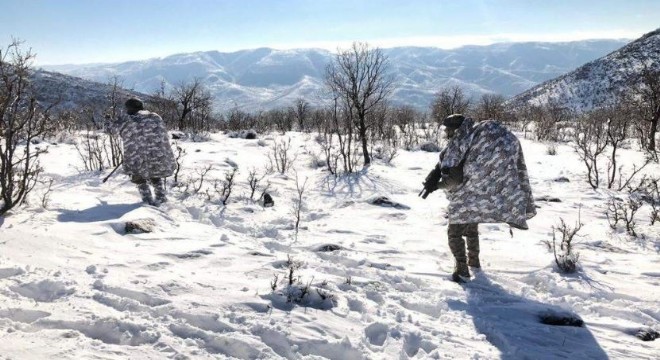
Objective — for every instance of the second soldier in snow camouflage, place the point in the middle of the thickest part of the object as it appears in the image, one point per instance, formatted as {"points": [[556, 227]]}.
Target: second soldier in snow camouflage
{"points": [[148, 156], [485, 177]]}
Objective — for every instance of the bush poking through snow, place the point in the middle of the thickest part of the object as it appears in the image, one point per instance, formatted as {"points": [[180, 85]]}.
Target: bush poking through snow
{"points": [[623, 211], [298, 203], [253, 181], [180, 153], [568, 260], [297, 292], [45, 196], [224, 188], [386, 153], [651, 194], [92, 149], [194, 185], [647, 335], [280, 157]]}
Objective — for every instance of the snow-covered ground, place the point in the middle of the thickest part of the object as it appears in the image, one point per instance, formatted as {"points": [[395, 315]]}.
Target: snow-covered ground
{"points": [[74, 285]]}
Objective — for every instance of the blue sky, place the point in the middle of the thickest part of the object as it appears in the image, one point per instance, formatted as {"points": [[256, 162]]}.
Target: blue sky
{"points": [[85, 31]]}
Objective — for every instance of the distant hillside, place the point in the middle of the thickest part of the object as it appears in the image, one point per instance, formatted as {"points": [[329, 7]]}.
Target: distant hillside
{"points": [[70, 92], [596, 83], [266, 78]]}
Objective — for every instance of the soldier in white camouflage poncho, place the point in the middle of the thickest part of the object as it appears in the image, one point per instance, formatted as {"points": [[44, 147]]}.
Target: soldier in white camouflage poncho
{"points": [[148, 156], [485, 178]]}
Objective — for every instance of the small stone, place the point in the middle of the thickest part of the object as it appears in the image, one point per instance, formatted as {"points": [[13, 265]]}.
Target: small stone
{"points": [[140, 226]]}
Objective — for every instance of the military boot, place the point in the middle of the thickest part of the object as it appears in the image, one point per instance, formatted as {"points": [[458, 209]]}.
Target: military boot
{"points": [[145, 192], [461, 272], [159, 189]]}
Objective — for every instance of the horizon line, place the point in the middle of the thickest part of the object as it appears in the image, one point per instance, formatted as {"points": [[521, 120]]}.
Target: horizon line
{"points": [[443, 43]]}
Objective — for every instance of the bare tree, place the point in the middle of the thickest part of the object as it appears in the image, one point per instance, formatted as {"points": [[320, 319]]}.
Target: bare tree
{"points": [[643, 92], [193, 106], [22, 120], [357, 77], [163, 104], [301, 111], [282, 119], [590, 143], [491, 106], [116, 155], [449, 101]]}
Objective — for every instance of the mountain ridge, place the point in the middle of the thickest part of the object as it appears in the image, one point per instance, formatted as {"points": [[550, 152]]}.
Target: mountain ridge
{"points": [[597, 82], [264, 78]]}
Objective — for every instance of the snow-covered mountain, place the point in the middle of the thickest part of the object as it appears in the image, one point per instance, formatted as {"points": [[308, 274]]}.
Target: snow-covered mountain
{"points": [[597, 82], [267, 78], [70, 92]]}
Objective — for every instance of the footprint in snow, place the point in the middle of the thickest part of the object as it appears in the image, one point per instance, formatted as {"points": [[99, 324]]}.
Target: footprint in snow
{"points": [[23, 315], [43, 291], [191, 254]]}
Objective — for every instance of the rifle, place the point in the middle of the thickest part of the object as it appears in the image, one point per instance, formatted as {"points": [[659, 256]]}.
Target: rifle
{"points": [[113, 171], [431, 182]]}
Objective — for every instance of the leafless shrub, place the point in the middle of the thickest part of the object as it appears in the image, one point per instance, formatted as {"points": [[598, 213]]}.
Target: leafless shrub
{"points": [[298, 203], [281, 157], [548, 244], [116, 154], [652, 192], [45, 196], [551, 149], [194, 184], [22, 120], [624, 211], [568, 260], [624, 181], [548, 118], [180, 154], [92, 149], [273, 283], [227, 186], [613, 212], [590, 144], [629, 210], [253, 181], [386, 153], [329, 150]]}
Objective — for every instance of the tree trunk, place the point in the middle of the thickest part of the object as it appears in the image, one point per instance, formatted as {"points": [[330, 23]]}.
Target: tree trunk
{"points": [[363, 137], [653, 130]]}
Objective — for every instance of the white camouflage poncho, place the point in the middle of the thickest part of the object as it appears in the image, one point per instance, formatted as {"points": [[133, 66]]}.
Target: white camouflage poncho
{"points": [[147, 150], [495, 185]]}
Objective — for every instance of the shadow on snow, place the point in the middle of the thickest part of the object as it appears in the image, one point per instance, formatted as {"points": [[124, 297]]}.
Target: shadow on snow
{"points": [[101, 212], [355, 184], [513, 324]]}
